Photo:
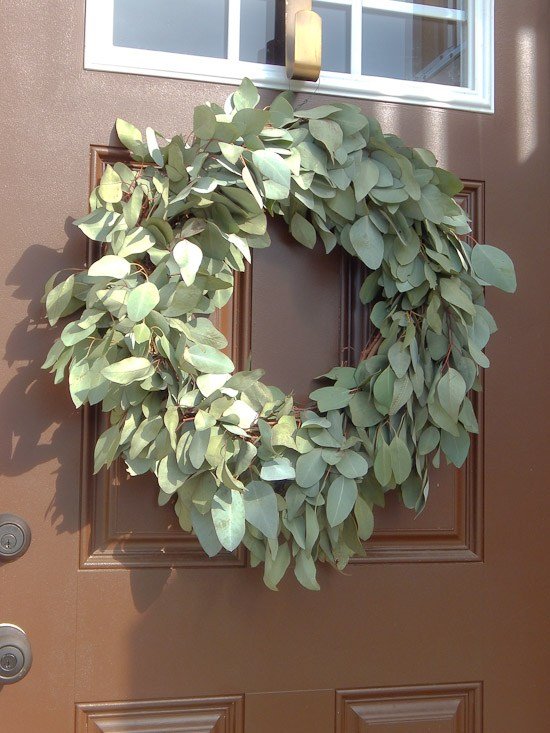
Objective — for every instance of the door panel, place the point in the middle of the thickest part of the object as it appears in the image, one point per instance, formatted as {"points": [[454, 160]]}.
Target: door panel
{"points": [[201, 715], [441, 628], [422, 709]]}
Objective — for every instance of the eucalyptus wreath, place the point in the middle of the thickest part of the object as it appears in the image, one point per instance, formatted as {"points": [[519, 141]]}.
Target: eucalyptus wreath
{"points": [[240, 461]]}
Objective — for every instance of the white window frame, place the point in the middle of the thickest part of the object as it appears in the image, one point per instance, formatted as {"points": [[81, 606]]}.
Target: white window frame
{"points": [[100, 54]]}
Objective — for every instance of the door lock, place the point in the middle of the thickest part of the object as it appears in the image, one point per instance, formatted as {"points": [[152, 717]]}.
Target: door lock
{"points": [[15, 654], [15, 536]]}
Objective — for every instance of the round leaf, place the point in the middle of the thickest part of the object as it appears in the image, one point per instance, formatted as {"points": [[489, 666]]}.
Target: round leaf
{"points": [[228, 515], [310, 468], [141, 301], [494, 267], [110, 266], [126, 371], [207, 359]]}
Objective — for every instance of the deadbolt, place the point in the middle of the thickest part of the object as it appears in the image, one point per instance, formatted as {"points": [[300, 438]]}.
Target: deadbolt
{"points": [[15, 536], [15, 654]]}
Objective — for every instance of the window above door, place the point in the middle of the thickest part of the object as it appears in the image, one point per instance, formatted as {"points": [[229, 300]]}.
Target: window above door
{"points": [[438, 53]]}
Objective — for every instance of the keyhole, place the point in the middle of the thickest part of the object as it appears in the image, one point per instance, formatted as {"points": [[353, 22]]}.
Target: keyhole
{"points": [[8, 662], [8, 541]]}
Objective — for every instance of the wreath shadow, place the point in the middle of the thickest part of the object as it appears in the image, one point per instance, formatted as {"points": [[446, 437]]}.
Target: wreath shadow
{"points": [[39, 424]]}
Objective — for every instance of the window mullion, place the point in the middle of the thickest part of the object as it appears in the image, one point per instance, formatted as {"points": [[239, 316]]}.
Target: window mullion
{"points": [[473, 27], [234, 30], [356, 40]]}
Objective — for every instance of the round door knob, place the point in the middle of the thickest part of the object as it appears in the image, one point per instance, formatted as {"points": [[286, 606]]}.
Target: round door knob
{"points": [[15, 536], [15, 654]]}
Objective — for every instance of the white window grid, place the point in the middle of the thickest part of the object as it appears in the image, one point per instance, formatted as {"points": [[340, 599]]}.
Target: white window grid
{"points": [[477, 95]]}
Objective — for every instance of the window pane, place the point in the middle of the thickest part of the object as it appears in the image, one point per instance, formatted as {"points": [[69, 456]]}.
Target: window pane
{"points": [[263, 31], [177, 26], [408, 47], [336, 35]]}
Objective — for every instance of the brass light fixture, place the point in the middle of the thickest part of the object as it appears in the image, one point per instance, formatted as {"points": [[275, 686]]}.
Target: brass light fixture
{"points": [[303, 39]]}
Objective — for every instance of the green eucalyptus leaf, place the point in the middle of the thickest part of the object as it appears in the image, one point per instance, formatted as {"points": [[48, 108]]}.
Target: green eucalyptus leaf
{"points": [[230, 152], [411, 491], [169, 476], [383, 389], [341, 497], [129, 370], [272, 166], [153, 146], [131, 138], [188, 256], [137, 241], [451, 390], [198, 447], [110, 266], [281, 112], [260, 504], [106, 447], [456, 447], [310, 468], [365, 519], [208, 359], [494, 267], [365, 178], [98, 225], [383, 464], [331, 398], [228, 516], [367, 242], [204, 122], [401, 460], [400, 358], [363, 412], [277, 469], [428, 441], [352, 464], [276, 567], [246, 96], [455, 295], [144, 435], [303, 231], [305, 571], [251, 185], [442, 418], [110, 186], [142, 300], [327, 132], [203, 526], [58, 299]]}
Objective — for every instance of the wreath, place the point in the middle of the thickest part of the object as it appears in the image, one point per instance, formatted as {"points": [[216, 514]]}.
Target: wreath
{"points": [[243, 463]]}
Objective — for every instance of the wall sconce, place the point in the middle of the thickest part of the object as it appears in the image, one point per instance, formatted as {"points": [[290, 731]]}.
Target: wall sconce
{"points": [[303, 41]]}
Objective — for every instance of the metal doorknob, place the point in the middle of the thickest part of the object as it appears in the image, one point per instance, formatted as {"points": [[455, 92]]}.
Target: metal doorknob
{"points": [[15, 654], [15, 536]]}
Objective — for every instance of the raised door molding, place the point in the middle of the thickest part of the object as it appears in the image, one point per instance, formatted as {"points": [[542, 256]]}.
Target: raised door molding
{"points": [[451, 527], [454, 708], [108, 537], [197, 715]]}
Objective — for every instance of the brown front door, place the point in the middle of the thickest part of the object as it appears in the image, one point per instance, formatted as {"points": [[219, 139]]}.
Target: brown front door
{"points": [[442, 628]]}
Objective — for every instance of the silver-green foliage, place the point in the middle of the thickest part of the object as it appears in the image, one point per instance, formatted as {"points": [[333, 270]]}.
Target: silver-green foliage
{"points": [[244, 465]]}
